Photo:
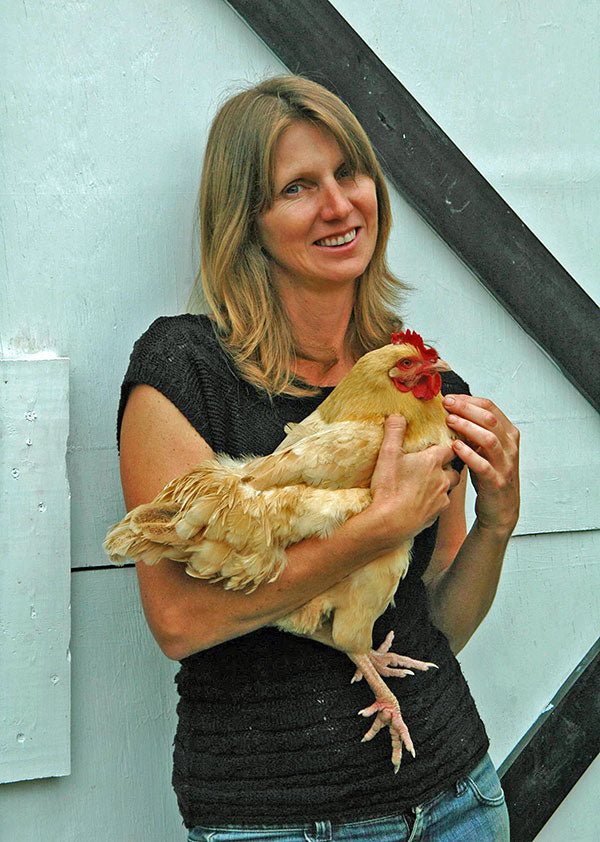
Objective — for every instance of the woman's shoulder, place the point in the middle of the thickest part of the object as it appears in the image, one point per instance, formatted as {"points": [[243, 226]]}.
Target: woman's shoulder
{"points": [[167, 330], [187, 339], [181, 357]]}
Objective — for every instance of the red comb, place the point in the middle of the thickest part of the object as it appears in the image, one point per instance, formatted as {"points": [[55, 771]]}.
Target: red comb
{"points": [[411, 337]]}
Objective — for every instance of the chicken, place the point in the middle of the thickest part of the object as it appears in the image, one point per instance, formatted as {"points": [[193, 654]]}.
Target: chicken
{"points": [[231, 520]]}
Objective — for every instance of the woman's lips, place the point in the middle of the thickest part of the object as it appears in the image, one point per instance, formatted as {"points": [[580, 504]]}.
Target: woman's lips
{"points": [[345, 247]]}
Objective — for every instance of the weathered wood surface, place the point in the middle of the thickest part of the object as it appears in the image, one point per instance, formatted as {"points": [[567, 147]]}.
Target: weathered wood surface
{"points": [[542, 623], [36, 570], [576, 817], [123, 723], [549, 760]]}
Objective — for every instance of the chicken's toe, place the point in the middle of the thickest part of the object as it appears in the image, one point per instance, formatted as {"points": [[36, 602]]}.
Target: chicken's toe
{"points": [[388, 714], [391, 664]]}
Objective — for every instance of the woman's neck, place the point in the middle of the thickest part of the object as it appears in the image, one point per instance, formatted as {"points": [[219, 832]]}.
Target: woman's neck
{"points": [[320, 321]]}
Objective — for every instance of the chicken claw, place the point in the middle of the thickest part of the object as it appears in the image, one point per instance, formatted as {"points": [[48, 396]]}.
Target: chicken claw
{"points": [[390, 664], [386, 707], [388, 714]]}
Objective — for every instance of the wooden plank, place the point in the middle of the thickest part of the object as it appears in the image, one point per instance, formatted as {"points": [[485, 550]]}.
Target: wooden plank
{"points": [[35, 578], [549, 760], [123, 722], [542, 622], [560, 484], [440, 182]]}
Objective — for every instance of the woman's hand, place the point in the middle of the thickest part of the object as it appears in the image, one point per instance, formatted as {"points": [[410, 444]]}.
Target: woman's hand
{"points": [[491, 453], [409, 490]]}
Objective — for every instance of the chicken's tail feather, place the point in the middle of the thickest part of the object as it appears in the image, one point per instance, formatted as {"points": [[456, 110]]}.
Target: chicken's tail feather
{"points": [[127, 540], [156, 521]]}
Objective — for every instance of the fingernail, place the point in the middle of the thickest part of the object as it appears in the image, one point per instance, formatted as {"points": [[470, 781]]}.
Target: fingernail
{"points": [[448, 400], [452, 418]]}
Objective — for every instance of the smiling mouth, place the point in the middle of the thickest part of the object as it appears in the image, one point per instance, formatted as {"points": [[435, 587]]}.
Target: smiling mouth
{"points": [[341, 240]]}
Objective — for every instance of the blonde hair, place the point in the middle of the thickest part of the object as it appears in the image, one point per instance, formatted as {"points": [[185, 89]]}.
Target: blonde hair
{"points": [[237, 185]]}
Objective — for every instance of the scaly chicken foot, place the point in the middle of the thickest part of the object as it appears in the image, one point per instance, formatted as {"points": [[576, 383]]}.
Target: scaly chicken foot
{"points": [[387, 708], [388, 714], [390, 664], [386, 705]]}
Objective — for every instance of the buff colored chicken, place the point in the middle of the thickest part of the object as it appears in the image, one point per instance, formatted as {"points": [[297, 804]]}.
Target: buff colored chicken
{"points": [[231, 520]]}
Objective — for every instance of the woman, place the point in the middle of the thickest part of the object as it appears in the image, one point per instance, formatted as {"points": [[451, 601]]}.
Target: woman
{"points": [[294, 220]]}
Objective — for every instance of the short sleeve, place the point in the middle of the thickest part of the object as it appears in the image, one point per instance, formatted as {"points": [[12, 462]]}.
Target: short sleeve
{"points": [[453, 384], [170, 357]]}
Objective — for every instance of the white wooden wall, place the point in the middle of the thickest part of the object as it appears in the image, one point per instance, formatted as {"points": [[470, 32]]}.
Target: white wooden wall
{"points": [[106, 111], [36, 574]]}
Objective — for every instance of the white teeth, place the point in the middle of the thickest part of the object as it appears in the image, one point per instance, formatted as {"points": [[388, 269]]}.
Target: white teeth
{"points": [[338, 241]]}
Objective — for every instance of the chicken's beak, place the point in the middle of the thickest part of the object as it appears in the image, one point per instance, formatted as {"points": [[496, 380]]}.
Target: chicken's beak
{"points": [[440, 365]]}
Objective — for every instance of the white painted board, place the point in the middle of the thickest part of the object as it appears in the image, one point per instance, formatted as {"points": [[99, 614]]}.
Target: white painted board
{"points": [[123, 723], [544, 619], [35, 573]]}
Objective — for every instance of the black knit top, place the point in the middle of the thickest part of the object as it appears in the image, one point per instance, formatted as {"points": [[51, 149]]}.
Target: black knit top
{"points": [[268, 731]]}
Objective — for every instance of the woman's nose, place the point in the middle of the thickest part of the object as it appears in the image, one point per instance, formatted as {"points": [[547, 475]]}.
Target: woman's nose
{"points": [[335, 202]]}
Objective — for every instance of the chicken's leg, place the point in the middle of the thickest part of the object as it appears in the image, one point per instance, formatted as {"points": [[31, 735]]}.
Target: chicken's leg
{"points": [[386, 704]]}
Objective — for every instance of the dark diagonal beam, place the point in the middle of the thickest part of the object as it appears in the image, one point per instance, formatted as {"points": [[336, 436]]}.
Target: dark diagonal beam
{"points": [[549, 760], [312, 38]]}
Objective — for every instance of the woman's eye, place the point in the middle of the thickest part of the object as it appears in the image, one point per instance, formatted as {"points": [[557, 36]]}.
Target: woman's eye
{"points": [[292, 189]]}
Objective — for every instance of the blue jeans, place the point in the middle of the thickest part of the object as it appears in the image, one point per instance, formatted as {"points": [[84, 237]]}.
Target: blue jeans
{"points": [[473, 810]]}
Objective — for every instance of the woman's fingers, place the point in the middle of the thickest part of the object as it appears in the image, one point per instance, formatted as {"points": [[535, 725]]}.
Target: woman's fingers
{"points": [[491, 451], [472, 459], [453, 477], [487, 440], [485, 426], [391, 446], [480, 410], [441, 453], [409, 489]]}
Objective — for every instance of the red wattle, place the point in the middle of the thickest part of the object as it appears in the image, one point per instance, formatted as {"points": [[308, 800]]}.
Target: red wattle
{"points": [[427, 386]]}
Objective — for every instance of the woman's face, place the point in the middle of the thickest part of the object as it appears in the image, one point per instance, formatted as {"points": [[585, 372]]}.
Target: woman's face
{"points": [[318, 204]]}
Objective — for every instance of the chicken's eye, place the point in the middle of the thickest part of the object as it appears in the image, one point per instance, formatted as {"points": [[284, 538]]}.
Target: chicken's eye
{"points": [[406, 363]]}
